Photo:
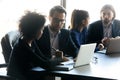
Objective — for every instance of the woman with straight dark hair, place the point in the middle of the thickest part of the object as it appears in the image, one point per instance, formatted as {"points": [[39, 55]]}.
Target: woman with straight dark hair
{"points": [[78, 27]]}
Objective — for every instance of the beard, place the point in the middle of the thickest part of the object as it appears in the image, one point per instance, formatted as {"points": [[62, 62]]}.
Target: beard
{"points": [[107, 22]]}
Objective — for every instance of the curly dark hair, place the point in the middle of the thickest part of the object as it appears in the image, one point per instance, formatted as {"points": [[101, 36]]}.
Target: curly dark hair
{"points": [[31, 23]]}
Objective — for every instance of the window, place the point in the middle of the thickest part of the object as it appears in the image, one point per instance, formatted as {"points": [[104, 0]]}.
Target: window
{"points": [[12, 10], [92, 6]]}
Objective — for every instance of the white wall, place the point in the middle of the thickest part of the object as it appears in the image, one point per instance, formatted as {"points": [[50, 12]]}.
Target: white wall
{"points": [[92, 6], [12, 10]]}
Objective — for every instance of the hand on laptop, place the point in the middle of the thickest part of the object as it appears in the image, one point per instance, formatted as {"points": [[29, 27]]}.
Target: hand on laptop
{"points": [[65, 59], [105, 41]]}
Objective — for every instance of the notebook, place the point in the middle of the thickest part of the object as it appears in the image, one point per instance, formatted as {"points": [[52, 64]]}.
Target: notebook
{"points": [[113, 46], [85, 54]]}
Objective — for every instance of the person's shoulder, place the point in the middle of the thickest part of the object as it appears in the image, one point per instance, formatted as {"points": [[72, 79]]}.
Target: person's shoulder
{"points": [[64, 30], [85, 28], [116, 21], [96, 22], [19, 44], [74, 31], [45, 29]]}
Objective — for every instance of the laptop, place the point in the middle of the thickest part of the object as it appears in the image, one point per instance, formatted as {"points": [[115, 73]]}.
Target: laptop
{"points": [[113, 46], [85, 54]]}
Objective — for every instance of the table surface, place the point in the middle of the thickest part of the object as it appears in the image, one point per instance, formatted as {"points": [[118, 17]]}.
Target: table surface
{"points": [[106, 66]]}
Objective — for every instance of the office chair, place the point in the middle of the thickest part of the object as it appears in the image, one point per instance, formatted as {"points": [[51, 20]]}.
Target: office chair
{"points": [[7, 43]]}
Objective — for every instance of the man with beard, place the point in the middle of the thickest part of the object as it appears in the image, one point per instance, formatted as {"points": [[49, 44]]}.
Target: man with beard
{"points": [[102, 30]]}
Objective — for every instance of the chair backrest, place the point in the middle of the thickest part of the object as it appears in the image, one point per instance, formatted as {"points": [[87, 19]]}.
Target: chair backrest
{"points": [[7, 43]]}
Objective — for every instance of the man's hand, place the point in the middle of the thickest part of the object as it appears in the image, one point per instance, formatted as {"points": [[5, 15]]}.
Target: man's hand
{"points": [[105, 41], [65, 59], [59, 54]]}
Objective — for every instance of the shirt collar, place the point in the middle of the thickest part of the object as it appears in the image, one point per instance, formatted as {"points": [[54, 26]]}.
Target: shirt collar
{"points": [[52, 33]]}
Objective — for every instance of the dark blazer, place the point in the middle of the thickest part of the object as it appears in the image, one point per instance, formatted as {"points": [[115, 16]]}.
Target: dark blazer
{"points": [[24, 58], [65, 43], [95, 31]]}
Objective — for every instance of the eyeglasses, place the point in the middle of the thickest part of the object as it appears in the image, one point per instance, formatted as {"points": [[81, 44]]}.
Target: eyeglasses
{"points": [[57, 20]]}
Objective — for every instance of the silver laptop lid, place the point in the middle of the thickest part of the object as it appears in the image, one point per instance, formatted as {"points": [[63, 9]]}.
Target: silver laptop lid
{"points": [[113, 46], [85, 54]]}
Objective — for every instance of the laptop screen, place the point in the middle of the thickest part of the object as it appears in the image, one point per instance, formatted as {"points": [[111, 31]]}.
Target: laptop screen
{"points": [[85, 54], [84, 57]]}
